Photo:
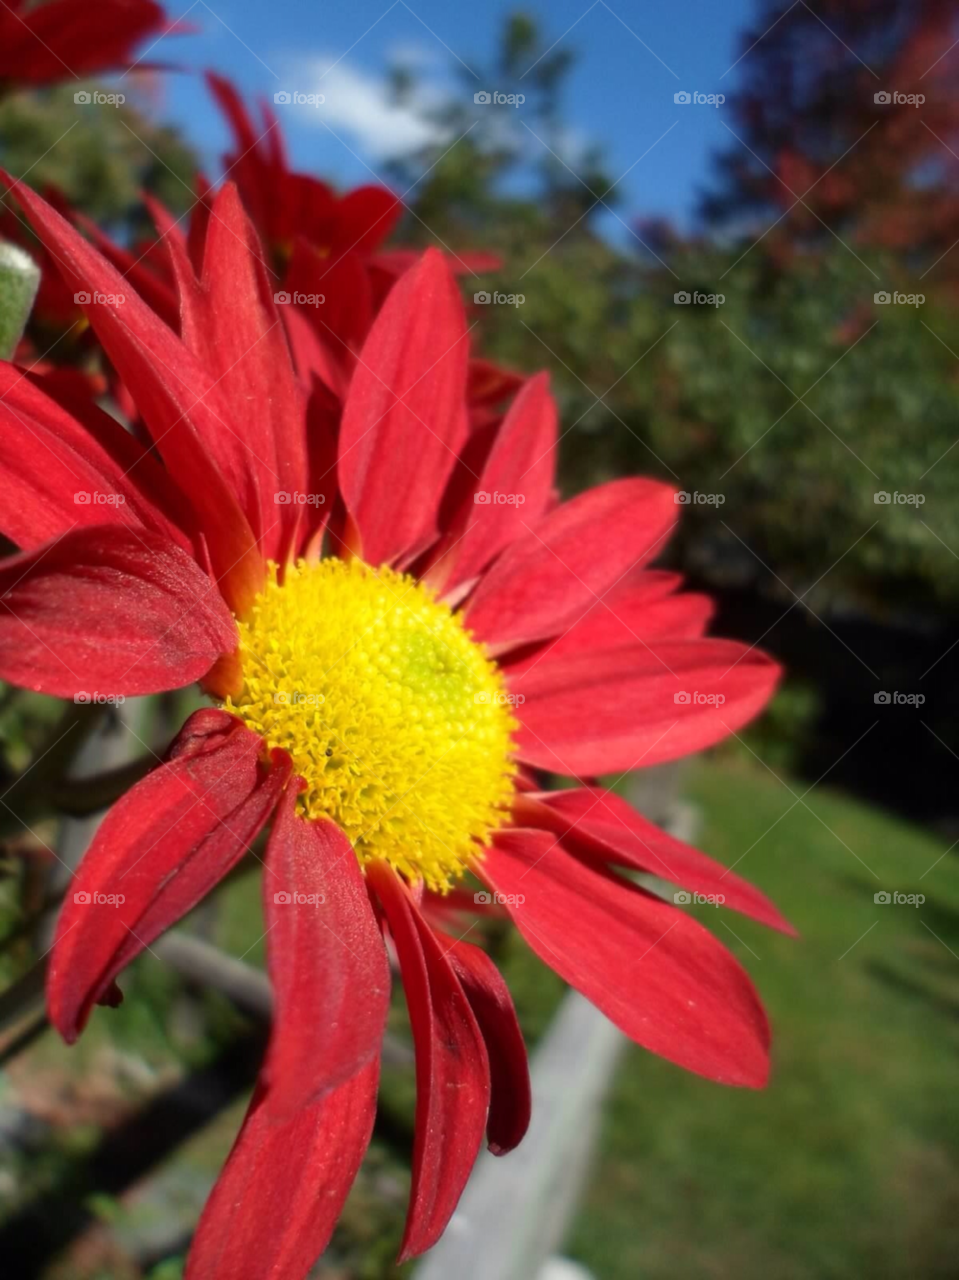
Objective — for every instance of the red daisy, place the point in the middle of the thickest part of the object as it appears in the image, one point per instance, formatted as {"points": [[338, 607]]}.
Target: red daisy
{"points": [[64, 39], [386, 693]]}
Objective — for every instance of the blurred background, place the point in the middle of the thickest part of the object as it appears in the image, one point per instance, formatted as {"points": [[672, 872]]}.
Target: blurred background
{"points": [[731, 234]]}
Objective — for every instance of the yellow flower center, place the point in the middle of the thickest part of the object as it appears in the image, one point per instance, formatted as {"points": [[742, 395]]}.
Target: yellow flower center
{"points": [[395, 718]]}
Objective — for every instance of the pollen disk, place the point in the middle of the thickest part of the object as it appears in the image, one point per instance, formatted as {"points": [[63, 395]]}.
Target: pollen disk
{"points": [[394, 716]]}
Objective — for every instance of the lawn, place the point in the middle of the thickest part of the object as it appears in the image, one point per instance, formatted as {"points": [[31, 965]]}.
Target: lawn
{"points": [[848, 1164]]}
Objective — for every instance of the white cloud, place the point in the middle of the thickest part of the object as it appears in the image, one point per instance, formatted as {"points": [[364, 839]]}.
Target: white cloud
{"points": [[359, 104]]}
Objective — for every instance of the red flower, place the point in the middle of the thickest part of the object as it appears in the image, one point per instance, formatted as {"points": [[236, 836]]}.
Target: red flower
{"points": [[64, 39], [390, 749]]}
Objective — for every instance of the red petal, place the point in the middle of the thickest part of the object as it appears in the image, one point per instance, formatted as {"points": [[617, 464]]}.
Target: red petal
{"points": [[623, 620], [548, 579], [59, 472], [176, 396], [327, 962], [161, 848], [62, 39], [364, 219], [137, 266], [597, 823], [405, 421], [452, 1071], [519, 468], [109, 610], [274, 1206], [231, 324], [342, 321], [510, 1096], [654, 971], [594, 713]]}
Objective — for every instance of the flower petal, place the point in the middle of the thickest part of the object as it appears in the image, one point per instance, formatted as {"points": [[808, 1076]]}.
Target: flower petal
{"points": [[177, 397], [60, 470], [622, 620], [654, 971], [326, 959], [158, 851], [231, 324], [510, 1095], [274, 1206], [598, 824], [404, 422], [511, 493], [109, 609], [592, 713], [452, 1071], [547, 579], [364, 217]]}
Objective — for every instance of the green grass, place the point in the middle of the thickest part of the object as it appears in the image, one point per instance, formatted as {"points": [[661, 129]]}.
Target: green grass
{"points": [[848, 1164]]}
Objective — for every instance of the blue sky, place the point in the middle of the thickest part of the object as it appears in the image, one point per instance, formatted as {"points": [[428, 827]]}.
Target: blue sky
{"points": [[632, 59]]}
